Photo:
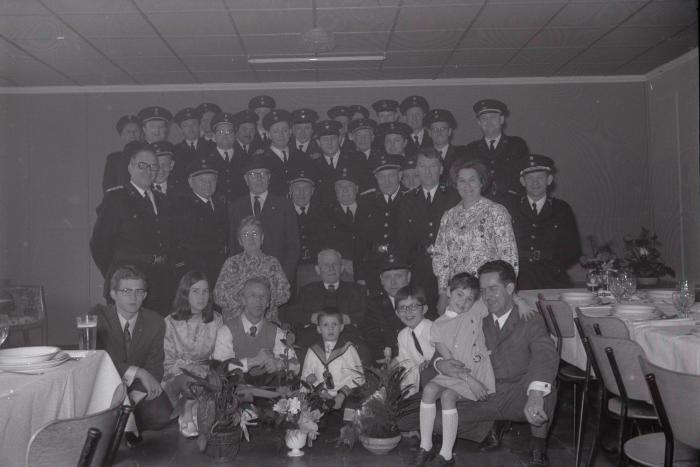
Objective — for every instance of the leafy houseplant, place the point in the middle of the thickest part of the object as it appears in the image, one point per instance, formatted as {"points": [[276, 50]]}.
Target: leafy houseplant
{"points": [[601, 259], [642, 256]]}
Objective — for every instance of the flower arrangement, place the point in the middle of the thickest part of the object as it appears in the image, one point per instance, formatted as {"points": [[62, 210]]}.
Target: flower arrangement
{"points": [[642, 256], [383, 401], [602, 257], [300, 409]]}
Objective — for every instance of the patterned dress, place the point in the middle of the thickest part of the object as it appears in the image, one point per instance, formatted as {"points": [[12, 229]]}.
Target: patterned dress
{"points": [[237, 270], [470, 237], [187, 344]]}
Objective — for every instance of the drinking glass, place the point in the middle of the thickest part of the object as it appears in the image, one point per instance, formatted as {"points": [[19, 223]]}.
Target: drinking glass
{"points": [[682, 301], [4, 328], [593, 281], [87, 332], [616, 288], [629, 281]]}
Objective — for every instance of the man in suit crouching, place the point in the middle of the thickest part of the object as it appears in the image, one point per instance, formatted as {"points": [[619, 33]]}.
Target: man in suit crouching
{"points": [[133, 338]]}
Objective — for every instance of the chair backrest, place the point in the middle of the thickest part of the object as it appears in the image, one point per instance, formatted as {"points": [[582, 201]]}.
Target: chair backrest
{"points": [[603, 326], [563, 317], [27, 301], [680, 393], [542, 308], [61, 442], [617, 360]]}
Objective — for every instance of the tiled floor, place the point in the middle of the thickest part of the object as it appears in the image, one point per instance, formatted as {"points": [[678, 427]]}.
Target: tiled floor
{"points": [[267, 449]]}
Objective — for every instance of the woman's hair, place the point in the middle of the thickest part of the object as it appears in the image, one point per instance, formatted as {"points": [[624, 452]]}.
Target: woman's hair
{"points": [[247, 222], [464, 281], [410, 291], [475, 164], [181, 302]]}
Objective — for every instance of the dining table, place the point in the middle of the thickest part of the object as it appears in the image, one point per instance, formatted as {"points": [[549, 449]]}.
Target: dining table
{"points": [[82, 385], [668, 341]]}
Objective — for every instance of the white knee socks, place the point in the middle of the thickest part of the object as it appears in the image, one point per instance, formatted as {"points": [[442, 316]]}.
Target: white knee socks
{"points": [[427, 420], [449, 432]]}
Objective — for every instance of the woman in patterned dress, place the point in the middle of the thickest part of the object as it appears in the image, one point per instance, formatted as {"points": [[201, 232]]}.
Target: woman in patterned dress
{"points": [[252, 262], [190, 335], [475, 231]]}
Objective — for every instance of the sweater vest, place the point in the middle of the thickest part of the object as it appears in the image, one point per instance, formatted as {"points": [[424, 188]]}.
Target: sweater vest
{"points": [[246, 346]]}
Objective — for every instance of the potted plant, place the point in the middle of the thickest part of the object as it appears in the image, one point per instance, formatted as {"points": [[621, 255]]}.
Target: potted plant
{"points": [[221, 418], [599, 262], [642, 257]]}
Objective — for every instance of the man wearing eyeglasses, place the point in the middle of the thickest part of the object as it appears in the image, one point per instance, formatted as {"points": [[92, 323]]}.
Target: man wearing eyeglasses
{"points": [[133, 338], [134, 226], [226, 159]]}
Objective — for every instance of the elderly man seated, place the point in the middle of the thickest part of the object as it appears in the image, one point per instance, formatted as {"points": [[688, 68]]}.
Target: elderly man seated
{"points": [[524, 362], [257, 342], [347, 297]]}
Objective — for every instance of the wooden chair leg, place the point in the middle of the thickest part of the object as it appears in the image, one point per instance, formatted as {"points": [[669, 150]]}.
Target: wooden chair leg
{"points": [[578, 445], [118, 433], [621, 432]]}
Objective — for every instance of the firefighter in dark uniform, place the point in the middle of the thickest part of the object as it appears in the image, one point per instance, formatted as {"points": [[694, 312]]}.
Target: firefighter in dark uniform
{"points": [[377, 221], [229, 164], [361, 131], [134, 226], [342, 115], [358, 111], [280, 155], [115, 171], [394, 137], [341, 220], [303, 129], [387, 110], [502, 154], [414, 110], [419, 218], [409, 173], [441, 124], [155, 123], [262, 105], [193, 146], [245, 124], [207, 110], [202, 224], [545, 229]]}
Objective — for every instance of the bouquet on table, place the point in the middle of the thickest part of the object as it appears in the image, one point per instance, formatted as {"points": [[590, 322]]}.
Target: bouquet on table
{"points": [[601, 259], [642, 256]]}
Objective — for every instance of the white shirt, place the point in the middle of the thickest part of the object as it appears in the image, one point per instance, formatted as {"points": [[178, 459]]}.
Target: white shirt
{"points": [[143, 192], [261, 198], [163, 186], [302, 146], [393, 195], [280, 152], [367, 153], [432, 192], [393, 301], [204, 200], [222, 153], [336, 285], [352, 207], [539, 204], [190, 143], [420, 133], [332, 160], [298, 208], [495, 140], [409, 357]]}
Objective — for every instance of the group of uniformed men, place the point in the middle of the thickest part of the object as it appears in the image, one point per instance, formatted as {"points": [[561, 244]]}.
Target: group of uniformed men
{"points": [[365, 187]]}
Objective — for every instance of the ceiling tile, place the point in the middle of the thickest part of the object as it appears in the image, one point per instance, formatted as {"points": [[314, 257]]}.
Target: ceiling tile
{"points": [[272, 44], [664, 52], [636, 68], [467, 71], [360, 42], [417, 58], [29, 72], [5, 81], [200, 23], [32, 27], [174, 77], [205, 45], [110, 25], [131, 47], [638, 36], [512, 16], [496, 38], [407, 40], [266, 4], [151, 64], [356, 19], [273, 21], [544, 55], [69, 48], [587, 69], [595, 14], [77, 66], [666, 13], [600, 54], [481, 56], [96, 7], [226, 76], [287, 75], [565, 37], [431, 17], [21, 7], [181, 5], [200, 63]]}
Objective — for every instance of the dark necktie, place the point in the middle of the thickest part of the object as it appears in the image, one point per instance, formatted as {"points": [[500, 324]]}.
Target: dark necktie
{"points": [[286, 156], [492, 145], [329, 160], [158, 188], [428, 198], [151, 204], [301, 147], [227, 156], [245, 149], [416, 343], [127, 339], [415, 138], [256, 206], [192, 146], [349, 214], [534, 208], [210, 205], [302, 214], [253, 331]]}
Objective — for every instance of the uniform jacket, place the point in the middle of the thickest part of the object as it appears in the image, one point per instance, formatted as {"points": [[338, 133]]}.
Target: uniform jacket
{"points": [[183, 155], [504, 165], [340, 232], [453, 153], [312, 233], [349, 298], [381, 326], [116, 172], [548, 243], [230, 183], [326, 175], [426, 142], [279, 220], [279, 171]]}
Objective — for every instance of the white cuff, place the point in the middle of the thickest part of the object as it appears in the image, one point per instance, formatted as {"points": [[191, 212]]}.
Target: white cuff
{"points": [[546, 388], [244, 365], [130, 375], [435, 364]]}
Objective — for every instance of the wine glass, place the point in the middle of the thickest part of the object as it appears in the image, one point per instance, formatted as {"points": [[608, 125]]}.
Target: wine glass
{"points": [[629, 281], [616, 288], [593, 281], [683, 300], [4, 328]]}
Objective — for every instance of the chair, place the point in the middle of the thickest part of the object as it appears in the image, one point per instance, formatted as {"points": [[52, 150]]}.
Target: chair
{"points": [[607, 326], [26, 310], [60, 442], [89, 448], [616, 362]]}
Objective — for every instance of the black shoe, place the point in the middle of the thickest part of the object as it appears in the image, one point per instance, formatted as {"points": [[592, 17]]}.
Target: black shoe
{"points": [[132, 440], [495, 435], [422, 457], [440, 461], [538, 459]]}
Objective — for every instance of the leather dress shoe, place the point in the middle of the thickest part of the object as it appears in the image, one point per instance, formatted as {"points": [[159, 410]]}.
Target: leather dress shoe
{"points": [[422, 457], [494, 436], [132, 439], [538, 459], [440, 461]]}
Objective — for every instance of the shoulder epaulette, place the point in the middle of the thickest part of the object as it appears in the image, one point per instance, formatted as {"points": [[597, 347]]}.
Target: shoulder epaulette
{"points": [[114, 188]]}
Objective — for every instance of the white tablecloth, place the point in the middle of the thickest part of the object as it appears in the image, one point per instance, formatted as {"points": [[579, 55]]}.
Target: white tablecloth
{"points": [[28, 402], [666, 343]]}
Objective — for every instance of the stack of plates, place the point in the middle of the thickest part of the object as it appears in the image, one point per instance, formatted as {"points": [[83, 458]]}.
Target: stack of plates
{"points": [[636, 311], [660, 296], [578, 298], [31, 359]]}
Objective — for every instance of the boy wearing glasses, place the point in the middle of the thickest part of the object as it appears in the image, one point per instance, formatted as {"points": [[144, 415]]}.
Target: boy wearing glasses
{"points": [[415, 348], [133, 337]]}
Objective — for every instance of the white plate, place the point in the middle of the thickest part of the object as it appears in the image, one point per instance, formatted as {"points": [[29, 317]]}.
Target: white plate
{"points": [[637, 316], [637, 308], [60, 358], [21, 355]]}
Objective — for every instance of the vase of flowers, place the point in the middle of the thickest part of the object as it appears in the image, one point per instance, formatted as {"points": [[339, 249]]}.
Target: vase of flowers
{"points": [[643, 258], [298, 412]]}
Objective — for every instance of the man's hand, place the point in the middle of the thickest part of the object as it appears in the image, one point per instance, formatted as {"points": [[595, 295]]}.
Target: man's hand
{"points": [[339, 399], [524, 309], [150, 384], [443, 301], [273, 365], [480, 391], [534, 409], [261, 358], [452, 367]]}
